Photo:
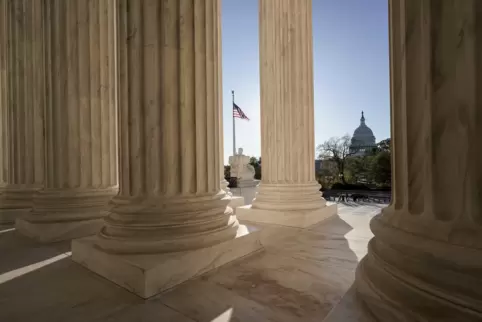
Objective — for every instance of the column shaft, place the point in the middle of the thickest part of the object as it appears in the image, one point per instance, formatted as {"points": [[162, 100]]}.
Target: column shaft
{"points": [[219, 79], [23, 107], [80, 120], [170, 197], [287, 108], [4, 101], [426, 255], [219, 76]]}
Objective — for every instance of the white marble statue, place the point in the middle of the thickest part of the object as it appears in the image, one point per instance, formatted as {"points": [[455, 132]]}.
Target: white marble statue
{"points": [[241, 169]]}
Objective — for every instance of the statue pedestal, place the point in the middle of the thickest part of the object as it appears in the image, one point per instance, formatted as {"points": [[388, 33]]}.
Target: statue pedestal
{"points": [[241, 169], [236, 201], [250, 183], [247, 190]]}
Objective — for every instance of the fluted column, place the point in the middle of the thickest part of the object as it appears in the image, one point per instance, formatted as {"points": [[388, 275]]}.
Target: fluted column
{"points": [[4, 17], [170, 197], [219, 102], [425, 261], [80, 118], [287, 109], [23, 107]]}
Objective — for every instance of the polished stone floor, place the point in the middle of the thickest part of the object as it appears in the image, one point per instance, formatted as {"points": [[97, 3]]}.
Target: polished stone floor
{"points": [[299, 276]]}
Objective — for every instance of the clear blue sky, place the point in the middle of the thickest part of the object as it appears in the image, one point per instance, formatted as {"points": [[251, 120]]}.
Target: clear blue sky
{"points": [[350, 43]]}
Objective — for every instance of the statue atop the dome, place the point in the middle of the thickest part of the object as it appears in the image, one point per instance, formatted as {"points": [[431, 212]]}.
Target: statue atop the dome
{"points": [[241, 169]]}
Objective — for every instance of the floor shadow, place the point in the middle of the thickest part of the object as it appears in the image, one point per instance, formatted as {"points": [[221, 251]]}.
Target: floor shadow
{"points": [[17, 251], [350, 309], [6, 227], [299, 278], [61, 291]]}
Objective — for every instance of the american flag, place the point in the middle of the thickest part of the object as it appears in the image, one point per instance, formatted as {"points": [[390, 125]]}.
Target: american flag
{"points": [[238, 112]]}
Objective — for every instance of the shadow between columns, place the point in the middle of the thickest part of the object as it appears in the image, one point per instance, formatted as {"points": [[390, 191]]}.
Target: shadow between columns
{"points": [[300, 277], [18, 252], [60, 291]]}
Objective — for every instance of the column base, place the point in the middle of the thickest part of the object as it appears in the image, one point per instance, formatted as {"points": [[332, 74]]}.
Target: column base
{"points": [[16, 202], [349, 309], [49, 232], [235, 202], [409, 277], [149, 274], [292, 218], [63, 214], [8, 216]]}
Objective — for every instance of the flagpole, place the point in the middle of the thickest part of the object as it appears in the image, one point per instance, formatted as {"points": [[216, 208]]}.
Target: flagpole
{"points": [[234, 126]]}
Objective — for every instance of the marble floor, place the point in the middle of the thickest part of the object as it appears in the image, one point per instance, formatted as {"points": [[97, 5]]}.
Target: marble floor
{"points": [[299, 276]]}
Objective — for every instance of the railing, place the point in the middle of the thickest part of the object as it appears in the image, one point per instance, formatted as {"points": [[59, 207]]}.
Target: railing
{"points": [[358, 195]]}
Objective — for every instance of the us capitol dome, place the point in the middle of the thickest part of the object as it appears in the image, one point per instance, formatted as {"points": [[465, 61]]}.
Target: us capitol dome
{"points": [[363, 140]]}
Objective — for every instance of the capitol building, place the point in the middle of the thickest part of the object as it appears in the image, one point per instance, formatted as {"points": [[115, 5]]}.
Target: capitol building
{"points": [[363, 140]]}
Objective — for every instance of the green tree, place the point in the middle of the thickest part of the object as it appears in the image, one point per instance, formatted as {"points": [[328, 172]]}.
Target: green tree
{"points": [[337, 150], [372, 168], [227, 172], [256, 163], [358, 168], [381, 169], [327, 175], [384, 145]]}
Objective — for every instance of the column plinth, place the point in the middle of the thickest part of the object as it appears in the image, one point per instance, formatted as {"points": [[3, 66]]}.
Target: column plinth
{"points": [[425, 260], [288, 193], [170, 220], [80, 120]]}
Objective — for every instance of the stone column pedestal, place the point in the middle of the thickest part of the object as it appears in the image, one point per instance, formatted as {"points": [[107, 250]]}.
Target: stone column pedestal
{"points": [[170, 220], [21, 107], [425, 261], [288, 193], [80, 120]]}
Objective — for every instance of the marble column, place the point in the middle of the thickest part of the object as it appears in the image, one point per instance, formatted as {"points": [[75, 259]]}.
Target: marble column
{"points": [[170, 220], [22, 100], [4, 16], [289, 193], [219, 102], [80, 120], [425, 261]]}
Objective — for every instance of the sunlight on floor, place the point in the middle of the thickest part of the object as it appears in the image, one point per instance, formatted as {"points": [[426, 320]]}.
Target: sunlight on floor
{"points": [[5, 277], [6, 230], [224, 317]]}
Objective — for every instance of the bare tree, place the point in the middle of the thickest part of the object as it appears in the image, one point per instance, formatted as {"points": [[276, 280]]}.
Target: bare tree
{"points": [[336, 149]]}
